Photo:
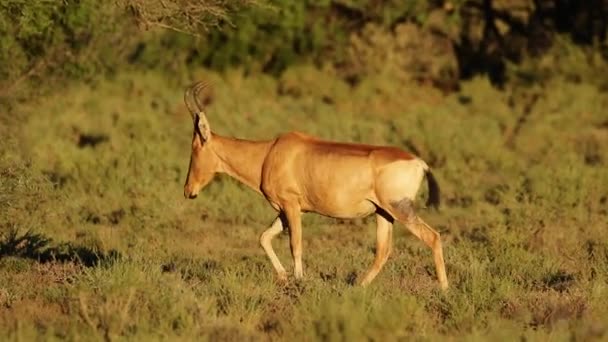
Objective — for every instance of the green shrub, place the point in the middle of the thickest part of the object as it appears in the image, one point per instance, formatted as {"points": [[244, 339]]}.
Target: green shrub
{"points": [[65, 38]]}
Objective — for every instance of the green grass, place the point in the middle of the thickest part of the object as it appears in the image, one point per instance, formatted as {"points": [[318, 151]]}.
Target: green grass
{"points": [[97, 242]]}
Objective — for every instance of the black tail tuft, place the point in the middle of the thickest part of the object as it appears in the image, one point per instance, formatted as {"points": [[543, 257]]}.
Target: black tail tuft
{"points": [[434, 195]]}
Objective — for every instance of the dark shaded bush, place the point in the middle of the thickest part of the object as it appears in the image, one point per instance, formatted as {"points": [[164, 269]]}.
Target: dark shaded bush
{"points": [[436, 42], [494, 33], [278, 34]]}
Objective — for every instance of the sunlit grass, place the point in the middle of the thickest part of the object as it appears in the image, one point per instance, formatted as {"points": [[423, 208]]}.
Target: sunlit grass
{"points": [[114, 251]]}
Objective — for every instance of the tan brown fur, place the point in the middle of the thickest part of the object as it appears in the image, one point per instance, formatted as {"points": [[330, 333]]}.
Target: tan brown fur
{"points": [[300, 173]]}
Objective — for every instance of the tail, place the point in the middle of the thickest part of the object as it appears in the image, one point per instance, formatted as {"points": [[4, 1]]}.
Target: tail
{"points": [[434, 194]]}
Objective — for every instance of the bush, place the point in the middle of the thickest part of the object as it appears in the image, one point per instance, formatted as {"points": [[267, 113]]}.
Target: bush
{"points": [[459, 38], [85, 38], [396, 54], [277, 34], [60, 38]]}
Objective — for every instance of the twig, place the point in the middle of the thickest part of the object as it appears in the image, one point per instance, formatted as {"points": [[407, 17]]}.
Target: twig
{"points": [[510, 135], [84, 313], [33, 70]]}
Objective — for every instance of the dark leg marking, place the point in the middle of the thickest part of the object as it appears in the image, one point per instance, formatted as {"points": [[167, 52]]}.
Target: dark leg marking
{"points": [[405, 209]]}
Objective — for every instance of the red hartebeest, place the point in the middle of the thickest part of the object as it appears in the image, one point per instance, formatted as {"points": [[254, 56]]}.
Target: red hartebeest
{"points": [[300, 173]]}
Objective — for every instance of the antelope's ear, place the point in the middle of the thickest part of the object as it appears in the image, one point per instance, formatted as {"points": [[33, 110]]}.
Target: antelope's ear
{"points": [[202, 126]]}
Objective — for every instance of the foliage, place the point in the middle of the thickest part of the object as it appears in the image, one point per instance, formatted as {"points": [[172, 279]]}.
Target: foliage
{"points": [[282, 33], [562, 60], [85, 38], [42, 38], [183, 16], [395, 54], [470, 36], [494, 33], [72, 39]]}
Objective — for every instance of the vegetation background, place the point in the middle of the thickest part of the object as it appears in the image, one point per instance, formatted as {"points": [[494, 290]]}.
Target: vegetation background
{"points": [[506, 100]]}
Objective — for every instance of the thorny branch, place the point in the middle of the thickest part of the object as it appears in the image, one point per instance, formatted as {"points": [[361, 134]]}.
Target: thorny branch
{"points": [[186, 16]]}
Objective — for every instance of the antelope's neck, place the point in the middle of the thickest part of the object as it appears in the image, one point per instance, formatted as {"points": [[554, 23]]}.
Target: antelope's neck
{"points": [[242, 159]]}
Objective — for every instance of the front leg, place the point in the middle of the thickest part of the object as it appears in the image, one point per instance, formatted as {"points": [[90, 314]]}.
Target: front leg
{"points": [[266, 242], [293, 215], [384, 234]]}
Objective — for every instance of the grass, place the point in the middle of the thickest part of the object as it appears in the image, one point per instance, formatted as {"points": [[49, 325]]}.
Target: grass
{"points": [[97, 242]]}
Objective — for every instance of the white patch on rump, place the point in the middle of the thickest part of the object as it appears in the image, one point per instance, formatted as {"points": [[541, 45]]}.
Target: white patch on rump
{"points": [[400, 179]]}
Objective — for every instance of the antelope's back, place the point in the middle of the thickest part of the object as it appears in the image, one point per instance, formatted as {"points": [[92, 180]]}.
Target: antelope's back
{"points": [[334, 179]]}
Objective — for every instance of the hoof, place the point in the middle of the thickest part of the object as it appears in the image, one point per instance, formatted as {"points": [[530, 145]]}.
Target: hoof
{"points": [[363, 283], [299, 275], [282, 278]]}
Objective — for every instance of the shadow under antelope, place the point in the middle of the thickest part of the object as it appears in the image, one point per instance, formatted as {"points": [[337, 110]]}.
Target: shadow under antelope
{"points": [[299, 173]]}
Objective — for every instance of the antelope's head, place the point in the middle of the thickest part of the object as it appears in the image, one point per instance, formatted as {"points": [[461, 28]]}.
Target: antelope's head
{"points": [[203, 161]]}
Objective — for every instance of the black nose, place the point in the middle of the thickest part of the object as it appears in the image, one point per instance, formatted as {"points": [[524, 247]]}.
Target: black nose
{"points": [[192, 196]]}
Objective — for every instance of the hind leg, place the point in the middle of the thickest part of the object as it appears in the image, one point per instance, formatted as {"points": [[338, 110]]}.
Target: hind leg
{"points": [[384, 233], [432, 239], [403, 211]]}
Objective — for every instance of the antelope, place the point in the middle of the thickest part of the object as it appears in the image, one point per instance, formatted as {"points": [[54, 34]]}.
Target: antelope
{"points": [[299, 173]]}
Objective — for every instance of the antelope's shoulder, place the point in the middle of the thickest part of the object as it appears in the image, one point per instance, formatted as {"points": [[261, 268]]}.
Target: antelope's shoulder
{"points": [[292, 140], [295, 136]]}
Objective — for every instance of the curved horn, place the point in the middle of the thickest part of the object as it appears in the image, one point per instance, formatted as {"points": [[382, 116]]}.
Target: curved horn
{"points": [[198, 87], [188, 94]]}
